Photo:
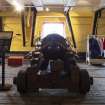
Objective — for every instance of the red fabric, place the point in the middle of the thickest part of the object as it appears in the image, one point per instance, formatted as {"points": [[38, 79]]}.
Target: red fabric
{"points": [[103, 40], [15, 61]]}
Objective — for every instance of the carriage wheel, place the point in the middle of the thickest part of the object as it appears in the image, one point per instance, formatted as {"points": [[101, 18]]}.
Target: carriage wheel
{"points": [[74, 77], [21, 82], [84, 82]]}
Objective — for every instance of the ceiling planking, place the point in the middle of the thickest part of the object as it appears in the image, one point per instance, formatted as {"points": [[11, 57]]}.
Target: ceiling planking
{"points": [[4, 5], [60, 4]]}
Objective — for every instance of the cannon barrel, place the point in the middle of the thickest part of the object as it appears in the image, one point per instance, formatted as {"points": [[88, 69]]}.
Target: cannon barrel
{"points": [[54, 46]]}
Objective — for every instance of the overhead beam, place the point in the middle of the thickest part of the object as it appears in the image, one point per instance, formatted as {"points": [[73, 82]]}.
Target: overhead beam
{"points": [[9, 14], [70, 27]]}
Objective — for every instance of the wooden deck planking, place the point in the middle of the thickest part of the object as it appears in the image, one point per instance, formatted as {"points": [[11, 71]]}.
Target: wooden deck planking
{"points": [[96, 95]]}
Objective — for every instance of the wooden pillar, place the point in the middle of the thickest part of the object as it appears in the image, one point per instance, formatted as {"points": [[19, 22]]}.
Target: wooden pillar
{"points": [[23, 29], [1, 24], [70, 28], [95, 23], [34, 12]]}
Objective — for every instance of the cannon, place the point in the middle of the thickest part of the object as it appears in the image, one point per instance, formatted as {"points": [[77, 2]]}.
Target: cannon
{"points": [[56, 68]]}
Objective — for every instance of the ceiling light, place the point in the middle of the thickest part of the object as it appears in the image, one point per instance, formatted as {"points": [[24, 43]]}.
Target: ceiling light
{"points": [[19, 7], [47, 9], [83, 2], [39, 8]]}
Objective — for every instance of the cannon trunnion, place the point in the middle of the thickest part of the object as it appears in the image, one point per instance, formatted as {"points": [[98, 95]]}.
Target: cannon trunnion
{"points": [[56, 68]]}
